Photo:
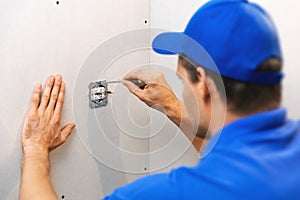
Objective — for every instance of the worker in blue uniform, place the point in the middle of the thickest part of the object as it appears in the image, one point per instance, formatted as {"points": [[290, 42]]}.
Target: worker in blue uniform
{"points": [[229, 61]]}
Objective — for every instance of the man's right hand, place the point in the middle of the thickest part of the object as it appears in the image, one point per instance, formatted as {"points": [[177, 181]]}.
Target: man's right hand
{"points": [[157, 92]]}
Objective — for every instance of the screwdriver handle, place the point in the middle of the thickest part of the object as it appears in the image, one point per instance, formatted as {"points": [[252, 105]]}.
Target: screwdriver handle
{"points": [[141, 84]]}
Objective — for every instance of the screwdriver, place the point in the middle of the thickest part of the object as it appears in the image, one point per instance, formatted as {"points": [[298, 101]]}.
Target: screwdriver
{"points": [[141, 84]]}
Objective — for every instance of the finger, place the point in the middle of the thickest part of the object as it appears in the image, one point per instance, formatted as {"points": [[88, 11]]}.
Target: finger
{"points": [[35, 99], [46, 93], [131, 86], [134, 89], [60, 100], [66, 131], [140, 74], [55, 92], [131, 76]]}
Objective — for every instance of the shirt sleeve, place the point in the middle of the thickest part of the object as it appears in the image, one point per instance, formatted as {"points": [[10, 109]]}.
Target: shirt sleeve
{"points": [[156, 186]]}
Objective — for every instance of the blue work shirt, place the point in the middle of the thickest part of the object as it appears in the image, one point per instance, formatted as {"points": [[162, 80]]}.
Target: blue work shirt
{"points": [[256, 157]]}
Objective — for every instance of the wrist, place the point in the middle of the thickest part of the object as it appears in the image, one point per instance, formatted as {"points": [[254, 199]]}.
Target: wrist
{"points": [[177, 113], [36, 161], [174, 111], [35, 151], [36, 157]]}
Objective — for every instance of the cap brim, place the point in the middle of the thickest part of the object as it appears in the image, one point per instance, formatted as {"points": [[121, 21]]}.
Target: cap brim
{"points": [[168, 43], [171, 43]]}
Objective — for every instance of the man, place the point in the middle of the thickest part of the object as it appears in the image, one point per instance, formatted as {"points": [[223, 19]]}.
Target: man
{"points": [[253, 153]]}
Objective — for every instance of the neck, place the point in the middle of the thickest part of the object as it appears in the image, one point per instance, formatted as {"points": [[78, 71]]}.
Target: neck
{"points": [[222, 121]]}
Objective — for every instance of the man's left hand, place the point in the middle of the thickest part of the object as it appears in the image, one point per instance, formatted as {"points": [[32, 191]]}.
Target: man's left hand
{"points": [[42, 130]]}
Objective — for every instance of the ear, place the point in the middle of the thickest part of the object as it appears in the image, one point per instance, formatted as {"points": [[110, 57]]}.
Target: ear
{"points": [[202, 83]]}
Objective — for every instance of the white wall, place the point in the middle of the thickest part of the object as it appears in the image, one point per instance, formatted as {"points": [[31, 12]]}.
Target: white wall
{"points": [[38, 38]]}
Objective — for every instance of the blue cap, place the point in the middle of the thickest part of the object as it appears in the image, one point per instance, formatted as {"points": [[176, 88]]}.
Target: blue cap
{"points": [[231, 37]]}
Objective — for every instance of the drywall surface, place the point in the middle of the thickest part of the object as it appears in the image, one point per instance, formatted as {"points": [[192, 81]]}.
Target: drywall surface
{"points": [[84, 41], [39, 38]]}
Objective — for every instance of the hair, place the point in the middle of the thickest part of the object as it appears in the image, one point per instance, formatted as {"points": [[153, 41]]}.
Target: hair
{"points": [[242, 98]]}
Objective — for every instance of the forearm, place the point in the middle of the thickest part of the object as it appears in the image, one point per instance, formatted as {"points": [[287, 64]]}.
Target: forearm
{"points": [[35, 180], [42, 133], [177, 113]]}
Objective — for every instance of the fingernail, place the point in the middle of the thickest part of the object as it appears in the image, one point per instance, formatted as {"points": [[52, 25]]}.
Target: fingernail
{"points": [[73, 126], [51, 78], [37, 86], [58, 76]]}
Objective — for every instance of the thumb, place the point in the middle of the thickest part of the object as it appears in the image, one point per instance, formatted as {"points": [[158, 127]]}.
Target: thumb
{"points": [[133, 88], [67, 130], [130, 85]]}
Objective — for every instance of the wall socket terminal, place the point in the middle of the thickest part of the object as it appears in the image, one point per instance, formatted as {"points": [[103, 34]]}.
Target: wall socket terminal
{"points": [[98, 94]]}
